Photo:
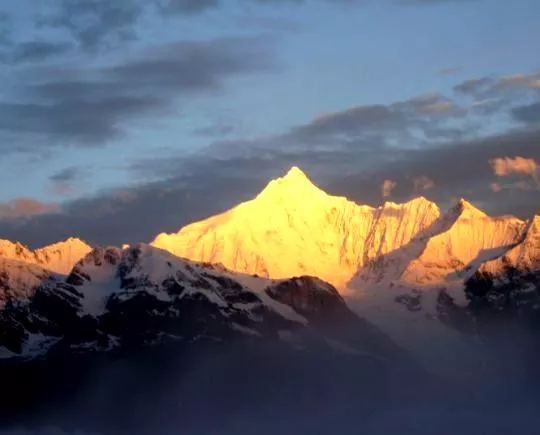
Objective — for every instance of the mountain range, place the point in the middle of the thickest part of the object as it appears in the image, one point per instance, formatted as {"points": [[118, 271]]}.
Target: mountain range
{"points": [[277, 265], [294, 228]]}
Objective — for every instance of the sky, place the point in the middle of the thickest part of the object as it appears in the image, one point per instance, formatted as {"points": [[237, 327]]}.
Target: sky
{"points": [[122, 119]]}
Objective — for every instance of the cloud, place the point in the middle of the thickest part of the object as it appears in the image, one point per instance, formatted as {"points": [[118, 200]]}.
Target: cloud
{"points": [[387, 187], [100, 24], [95, 23], [5, 28], [88, 107], [504, 166], [21, 208], [422, 183], [214, 130], [35, 51], [189, 7], [496, 187], [520, 166], [64, 182], [528, 114], [483, 88], [408, 122], [81, 121], [450, 70]]}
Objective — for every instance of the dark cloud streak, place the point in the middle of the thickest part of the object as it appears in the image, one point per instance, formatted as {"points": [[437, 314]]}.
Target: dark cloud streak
{"points": [[35, 51], [89, 107]]}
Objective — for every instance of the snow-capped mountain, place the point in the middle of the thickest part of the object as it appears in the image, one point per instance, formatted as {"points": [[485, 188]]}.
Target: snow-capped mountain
{"points": [[58, 257], [119, 298], [510, 279], [292, 227], [396, 264], [393, 264]]}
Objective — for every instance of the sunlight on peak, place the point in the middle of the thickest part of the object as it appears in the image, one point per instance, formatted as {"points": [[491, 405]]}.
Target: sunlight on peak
{"points": [[295, 183], [295, 171], [468, 210]]}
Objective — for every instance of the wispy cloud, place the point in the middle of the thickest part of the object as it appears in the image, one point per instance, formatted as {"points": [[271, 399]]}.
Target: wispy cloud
{"points": [[64, 182], [422, 184], [34, 51], [450, 70], [89, 107]]}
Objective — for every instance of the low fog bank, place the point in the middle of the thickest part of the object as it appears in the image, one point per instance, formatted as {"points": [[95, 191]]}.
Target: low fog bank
{"points": [[254, 388]]}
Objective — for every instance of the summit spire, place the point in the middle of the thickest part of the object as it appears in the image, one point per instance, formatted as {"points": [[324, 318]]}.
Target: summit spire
{"points": [[295, 183]]}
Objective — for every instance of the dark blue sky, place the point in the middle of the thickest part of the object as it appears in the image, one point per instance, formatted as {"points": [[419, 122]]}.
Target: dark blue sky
{"points": [[121, 119]]}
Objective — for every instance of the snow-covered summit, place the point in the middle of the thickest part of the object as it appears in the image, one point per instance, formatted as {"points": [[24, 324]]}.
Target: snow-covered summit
{"points": [[293, 227], [58, 257]]}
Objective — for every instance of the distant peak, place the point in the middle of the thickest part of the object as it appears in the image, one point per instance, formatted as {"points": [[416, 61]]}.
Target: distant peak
{"points": [[468, 210], [71, 241], [420, 200]]}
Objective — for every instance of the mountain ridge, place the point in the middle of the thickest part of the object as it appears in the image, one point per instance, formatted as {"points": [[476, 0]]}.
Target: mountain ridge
{"points": [[389, 263], [293, 227]]}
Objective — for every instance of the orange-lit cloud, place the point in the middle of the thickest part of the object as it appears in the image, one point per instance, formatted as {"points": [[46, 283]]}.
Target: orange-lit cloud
{"points": [[387, 187], [26, 207], [507, 166]]}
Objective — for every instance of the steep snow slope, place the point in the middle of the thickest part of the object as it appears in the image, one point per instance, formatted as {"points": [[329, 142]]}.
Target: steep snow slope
{"points": [[59, 257], [524, 256], [294, 228], [19, 279], [472, 238], [511, 281]]}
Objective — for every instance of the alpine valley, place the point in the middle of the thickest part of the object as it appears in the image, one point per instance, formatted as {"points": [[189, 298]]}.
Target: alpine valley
{"points": [[293, 275]]}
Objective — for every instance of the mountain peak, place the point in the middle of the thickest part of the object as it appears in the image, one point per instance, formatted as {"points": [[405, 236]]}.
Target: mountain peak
{"points": [[73, 242], [468, 210], [295, 177], [295, 183], [295, 172]]}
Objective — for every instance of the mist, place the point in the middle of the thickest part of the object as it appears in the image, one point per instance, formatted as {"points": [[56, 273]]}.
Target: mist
{"points": [[275, 388]]}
